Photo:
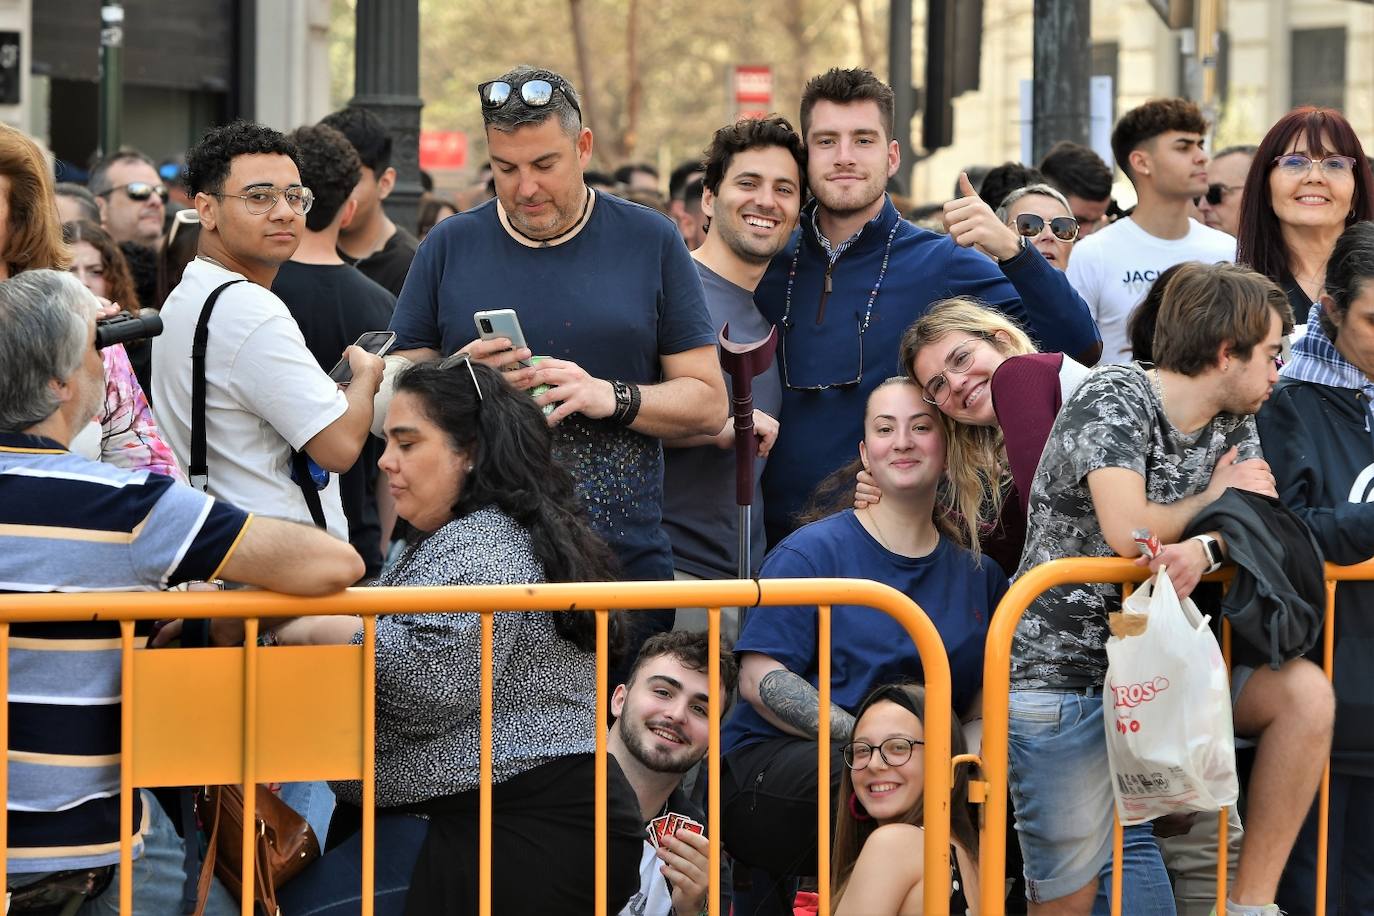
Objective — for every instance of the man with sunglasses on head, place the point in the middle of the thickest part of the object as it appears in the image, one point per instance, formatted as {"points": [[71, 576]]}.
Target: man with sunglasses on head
{"points": [[853, 277], [265, 397], [131, 197], [1159, 145], [604, 290], [1220, 206]]}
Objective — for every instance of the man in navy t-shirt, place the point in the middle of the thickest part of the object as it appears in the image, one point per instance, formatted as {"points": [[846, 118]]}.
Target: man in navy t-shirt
{"points": [[604, 290]]}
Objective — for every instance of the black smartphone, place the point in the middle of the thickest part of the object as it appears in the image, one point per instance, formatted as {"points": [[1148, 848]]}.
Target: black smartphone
{"points": [[377, 342]]}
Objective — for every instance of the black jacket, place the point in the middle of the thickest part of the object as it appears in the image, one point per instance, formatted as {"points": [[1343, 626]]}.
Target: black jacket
{"points": [[1317, 440], [1276, 601]]}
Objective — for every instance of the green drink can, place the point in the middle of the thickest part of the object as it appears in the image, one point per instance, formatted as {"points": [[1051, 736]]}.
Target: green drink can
{"points": [[537, 390]]}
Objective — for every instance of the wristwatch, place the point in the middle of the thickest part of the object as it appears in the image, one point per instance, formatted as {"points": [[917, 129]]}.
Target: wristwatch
{"points": [[1213, 549]]}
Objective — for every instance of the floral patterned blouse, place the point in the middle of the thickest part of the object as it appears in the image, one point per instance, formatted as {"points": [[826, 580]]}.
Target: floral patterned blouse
{"points": [[129, 437]]}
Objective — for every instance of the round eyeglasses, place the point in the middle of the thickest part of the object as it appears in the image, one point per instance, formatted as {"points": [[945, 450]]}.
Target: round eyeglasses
{"points": [[936, 391], [894, 751], [1296, 164], [262, 200], [1064, 228]]}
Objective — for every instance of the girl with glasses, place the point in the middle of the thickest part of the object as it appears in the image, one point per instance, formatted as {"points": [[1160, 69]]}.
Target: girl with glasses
{"points": [[1309, 180], [876, 868]]}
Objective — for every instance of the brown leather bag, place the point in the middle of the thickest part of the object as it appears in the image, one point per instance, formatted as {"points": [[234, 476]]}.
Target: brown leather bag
{"points": [[285, 844]]}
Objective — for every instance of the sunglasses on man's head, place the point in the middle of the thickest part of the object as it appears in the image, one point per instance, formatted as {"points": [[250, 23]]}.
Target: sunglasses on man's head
{"points": [[1064, 228], [535, 93], [139, 190]]}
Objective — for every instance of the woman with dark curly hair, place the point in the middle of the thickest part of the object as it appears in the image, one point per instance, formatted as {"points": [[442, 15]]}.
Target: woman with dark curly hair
{"points": [[1309, 180], [470, 462]]}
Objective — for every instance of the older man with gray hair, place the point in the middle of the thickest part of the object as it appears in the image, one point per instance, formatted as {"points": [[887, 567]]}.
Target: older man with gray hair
{"points": [[68, 524], [605, 291]]}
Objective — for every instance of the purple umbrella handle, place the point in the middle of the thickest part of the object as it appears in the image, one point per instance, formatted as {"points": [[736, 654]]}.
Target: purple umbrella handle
{"points": [[744, 361]]}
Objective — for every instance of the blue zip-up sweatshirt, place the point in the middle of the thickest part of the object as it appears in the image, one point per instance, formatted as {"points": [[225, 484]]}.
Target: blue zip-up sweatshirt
{"points": [[819, 431]]}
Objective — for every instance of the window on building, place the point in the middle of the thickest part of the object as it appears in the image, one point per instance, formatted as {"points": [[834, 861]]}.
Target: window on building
{"points": [[1318, 68]]}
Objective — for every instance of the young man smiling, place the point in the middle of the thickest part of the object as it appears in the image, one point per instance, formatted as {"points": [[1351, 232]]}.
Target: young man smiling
{"points": [[753, 189], [1159, 146], [660, 733], [852, 278]]}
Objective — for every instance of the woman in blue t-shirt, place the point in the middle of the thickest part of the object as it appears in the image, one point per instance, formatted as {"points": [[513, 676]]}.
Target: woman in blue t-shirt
{"points": [[906, 541]]}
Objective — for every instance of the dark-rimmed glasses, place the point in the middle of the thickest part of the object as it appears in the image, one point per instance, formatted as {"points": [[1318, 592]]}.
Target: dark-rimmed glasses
{"points": [[936, 390], [1064, 228], [139, 190], [466, 359], [535, 93], [262, 200], [894, 751], [1216, 193], [1296, 164]]}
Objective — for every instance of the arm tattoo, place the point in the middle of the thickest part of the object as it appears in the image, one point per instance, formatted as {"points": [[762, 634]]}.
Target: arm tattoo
{"points": [[797, 703]]}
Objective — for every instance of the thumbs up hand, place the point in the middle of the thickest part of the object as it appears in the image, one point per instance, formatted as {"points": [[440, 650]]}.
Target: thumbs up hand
{"points": [[972, 224]]}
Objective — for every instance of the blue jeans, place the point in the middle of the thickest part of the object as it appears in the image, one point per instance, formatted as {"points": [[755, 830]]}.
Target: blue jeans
{"points": [[1349, 878], [159, 874], [1062, 793], [313, 801], [333, 885]]}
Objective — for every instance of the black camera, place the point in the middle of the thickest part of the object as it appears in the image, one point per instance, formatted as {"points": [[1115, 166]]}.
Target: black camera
{"points": [[485, 325], [126, 328]]}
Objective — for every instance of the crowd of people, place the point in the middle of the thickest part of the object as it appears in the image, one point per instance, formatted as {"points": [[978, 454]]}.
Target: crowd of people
{"points": [[1031, 373]]}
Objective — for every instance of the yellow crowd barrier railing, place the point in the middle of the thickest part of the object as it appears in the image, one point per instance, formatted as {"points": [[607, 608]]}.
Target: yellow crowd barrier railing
{"points": [[996, 690], [203, 716]]}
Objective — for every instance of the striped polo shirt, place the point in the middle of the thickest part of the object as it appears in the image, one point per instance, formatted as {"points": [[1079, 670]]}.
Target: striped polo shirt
{"points": [[68, 524]]}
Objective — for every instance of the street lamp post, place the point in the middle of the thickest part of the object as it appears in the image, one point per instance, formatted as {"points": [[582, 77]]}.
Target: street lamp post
{"points": [[111, 75], [387, 83]]}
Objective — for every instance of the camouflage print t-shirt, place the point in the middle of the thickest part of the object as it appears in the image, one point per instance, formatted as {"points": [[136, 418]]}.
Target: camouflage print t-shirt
{"points": [[1113, 420]]}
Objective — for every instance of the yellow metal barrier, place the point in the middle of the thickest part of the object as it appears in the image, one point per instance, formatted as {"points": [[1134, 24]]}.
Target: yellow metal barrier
{"points": [[239, 739], [996, 690]]}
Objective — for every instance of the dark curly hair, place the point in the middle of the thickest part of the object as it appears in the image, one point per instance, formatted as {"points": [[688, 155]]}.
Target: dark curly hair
{"points": [[1145, 122], [844, 87], [513, 469], [1072, 168], [692, 649], [1005, 178], [209, 161], [368, 135], [330, 168], [752, 133]]}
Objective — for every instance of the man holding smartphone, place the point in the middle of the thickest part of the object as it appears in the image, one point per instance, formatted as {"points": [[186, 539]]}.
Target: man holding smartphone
{"points": [[604, 289], [334, 304], [265, 395]]}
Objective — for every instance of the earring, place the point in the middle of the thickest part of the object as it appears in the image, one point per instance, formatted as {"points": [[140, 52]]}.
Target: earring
{"points": [[470, 467], [857, 809]]}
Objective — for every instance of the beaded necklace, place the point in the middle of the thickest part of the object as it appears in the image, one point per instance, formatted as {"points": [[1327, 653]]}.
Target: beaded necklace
{"points": [[872, 296]]}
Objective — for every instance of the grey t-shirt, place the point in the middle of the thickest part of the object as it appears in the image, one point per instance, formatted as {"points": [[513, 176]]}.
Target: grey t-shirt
{"points": [[1113, 420], [699, 509]]}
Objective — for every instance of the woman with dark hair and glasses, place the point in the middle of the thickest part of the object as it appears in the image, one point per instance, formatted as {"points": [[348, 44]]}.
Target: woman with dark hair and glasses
{"points": [[1308, 182], [470, 464], [910, 541], [876, 867]]}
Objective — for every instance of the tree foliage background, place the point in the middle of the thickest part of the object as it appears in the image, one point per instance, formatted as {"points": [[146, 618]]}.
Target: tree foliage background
{"points": [[653, 73]]}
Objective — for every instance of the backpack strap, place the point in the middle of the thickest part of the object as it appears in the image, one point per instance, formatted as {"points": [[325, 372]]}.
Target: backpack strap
{"points": [[199, 470]]}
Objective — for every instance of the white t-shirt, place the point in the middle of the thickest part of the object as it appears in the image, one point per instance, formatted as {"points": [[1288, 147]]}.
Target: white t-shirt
{"points": [[1113, 269], [264, 394], [653, 897]]}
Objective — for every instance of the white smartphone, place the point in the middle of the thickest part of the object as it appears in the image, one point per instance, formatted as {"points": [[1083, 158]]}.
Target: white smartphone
{"points": [[377, 342], [496, 323]]}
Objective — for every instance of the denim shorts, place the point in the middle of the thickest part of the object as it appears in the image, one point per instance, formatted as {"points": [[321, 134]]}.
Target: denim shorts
{"points": [[1062, 793]]}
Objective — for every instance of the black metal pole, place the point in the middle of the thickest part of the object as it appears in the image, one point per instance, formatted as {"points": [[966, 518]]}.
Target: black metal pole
{"points": [[899, 77], [1063, 43], [387, 82], [111, 75]]}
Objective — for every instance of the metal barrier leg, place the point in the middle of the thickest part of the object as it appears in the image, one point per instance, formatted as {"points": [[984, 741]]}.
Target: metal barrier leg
{"points": [[484, 765], [126, 756], [602, 673], [369, 762], [1117, 864], [714, 700], [823, 762]]}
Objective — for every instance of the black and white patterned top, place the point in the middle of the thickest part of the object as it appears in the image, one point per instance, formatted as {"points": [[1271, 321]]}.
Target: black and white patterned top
{"points": [[1113, 420], [428, 673]]}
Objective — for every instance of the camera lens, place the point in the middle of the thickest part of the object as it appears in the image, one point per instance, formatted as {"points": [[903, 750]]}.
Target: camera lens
{"points": [[486, 325]]}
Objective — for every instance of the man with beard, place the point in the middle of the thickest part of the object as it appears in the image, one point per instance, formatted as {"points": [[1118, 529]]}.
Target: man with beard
{"points": [[753, 191], [604, 291], [853, 277], [660, 733]]}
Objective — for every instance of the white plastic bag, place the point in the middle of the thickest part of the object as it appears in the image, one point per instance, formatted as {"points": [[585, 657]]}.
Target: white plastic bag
{"points": [[1167, 710]]}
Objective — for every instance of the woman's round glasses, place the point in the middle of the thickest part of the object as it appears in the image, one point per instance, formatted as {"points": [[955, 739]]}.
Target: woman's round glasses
{"points": [[1064, 228], [936, 391], [894, 751]]}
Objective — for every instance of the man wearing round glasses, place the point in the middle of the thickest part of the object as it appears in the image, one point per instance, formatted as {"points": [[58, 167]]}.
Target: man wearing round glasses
{"points": [[604, 290], [265, 397], [131, 197]]}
